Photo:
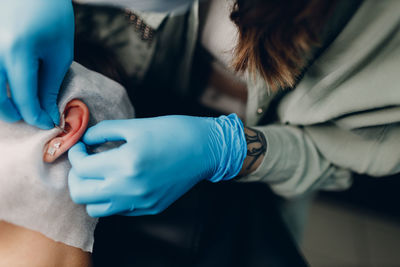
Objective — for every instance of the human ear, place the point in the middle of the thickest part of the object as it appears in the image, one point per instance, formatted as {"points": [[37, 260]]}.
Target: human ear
{"points": [[76, 116]]}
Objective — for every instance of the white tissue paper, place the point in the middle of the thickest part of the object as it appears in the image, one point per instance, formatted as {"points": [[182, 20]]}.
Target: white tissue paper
{"points": [[34, 194]]}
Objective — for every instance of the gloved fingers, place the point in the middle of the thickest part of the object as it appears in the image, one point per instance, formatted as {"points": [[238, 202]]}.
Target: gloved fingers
{"points": [[8, 111], [132, 214], [103, 209], [105, 131], [23, 81], [85, 191], [99, 210], [139, 212], [158, 208], [92, 166], [149, 207], [52, 73]]}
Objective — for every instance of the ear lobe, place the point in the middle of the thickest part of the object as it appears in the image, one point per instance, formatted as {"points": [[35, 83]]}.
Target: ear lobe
{"points": [[76, 115]]}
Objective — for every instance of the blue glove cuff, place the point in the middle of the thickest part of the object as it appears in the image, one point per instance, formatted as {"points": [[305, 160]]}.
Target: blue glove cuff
{"points": [[230, 130]]}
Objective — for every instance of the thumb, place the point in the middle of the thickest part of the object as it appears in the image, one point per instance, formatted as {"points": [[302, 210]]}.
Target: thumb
{"points": [[105, 131], [23, 80], [77, 153], [52, 73]]}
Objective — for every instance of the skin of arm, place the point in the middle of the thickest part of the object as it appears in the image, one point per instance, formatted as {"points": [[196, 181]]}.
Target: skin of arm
{"points": [[256, 149]]}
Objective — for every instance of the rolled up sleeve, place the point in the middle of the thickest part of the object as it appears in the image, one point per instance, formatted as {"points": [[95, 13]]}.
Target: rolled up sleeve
{"points": [[293, 165]]}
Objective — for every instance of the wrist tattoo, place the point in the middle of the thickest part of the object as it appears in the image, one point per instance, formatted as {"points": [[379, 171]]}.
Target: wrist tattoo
{"points": [[256, 145]]}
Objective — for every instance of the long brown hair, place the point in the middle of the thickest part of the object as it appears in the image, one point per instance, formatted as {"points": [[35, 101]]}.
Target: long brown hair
{"points": [[276, 37]]}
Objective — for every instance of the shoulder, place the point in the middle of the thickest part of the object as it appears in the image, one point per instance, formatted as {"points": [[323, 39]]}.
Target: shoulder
{"points": [[356, 75]]}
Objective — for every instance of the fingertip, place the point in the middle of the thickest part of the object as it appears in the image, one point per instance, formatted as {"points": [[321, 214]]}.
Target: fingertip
{"points": [[72, 177], [77, 152], [94, 135], [54, 114], [91, 212], [99, 210], [72, 183], [42, 120], [87, 138], [105, 131], [78, 147]]}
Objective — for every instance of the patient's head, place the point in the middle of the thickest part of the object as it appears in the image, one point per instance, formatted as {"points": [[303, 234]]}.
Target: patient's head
{"points": [[34, 166], [47, 228]]}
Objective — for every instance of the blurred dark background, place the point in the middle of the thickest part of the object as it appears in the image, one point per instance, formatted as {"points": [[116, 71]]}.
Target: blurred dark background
{"points": [[357, 227]]}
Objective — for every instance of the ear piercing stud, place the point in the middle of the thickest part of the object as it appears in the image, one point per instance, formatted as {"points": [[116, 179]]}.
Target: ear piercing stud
{"points": [[52, 149]]}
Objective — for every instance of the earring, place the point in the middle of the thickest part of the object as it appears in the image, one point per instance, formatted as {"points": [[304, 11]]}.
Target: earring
{"points": [[52, 149]]}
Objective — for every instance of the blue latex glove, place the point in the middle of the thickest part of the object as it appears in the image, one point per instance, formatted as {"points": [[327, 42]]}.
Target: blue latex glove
{"points": [[36, 50], [161, 160]]}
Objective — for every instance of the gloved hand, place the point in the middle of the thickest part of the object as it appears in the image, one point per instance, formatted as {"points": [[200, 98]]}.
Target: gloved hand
{"points": [[36, 50], [161, 160]]}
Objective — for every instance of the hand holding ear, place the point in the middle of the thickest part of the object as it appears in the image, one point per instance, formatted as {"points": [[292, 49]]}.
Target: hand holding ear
{"points": [[161, 160]]}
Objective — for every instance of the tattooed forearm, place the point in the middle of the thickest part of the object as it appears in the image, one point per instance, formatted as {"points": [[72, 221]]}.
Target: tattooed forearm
{"points": [[256, 148], [256, 145]]}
